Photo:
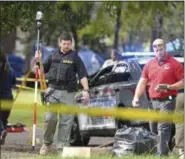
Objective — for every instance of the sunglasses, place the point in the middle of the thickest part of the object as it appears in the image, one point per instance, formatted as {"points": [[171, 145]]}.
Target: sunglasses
{"points": [[158, 45]]}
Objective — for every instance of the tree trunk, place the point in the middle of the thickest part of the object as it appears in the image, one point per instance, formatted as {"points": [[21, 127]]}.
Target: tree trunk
{"points": [[117, 28], [130, 41], [160, 28], [154, 36], [8, 43], [75, 36], [157, 29]]}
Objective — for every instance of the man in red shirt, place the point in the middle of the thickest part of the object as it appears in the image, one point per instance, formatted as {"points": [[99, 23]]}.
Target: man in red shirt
{"points": [[163, 69]]}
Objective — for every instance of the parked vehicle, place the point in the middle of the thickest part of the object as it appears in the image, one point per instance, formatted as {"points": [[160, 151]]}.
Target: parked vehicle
{"points": [[113, 86]]}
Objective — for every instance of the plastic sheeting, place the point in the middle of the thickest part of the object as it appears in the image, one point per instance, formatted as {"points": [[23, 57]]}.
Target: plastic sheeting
{"points": [[134, 140]]}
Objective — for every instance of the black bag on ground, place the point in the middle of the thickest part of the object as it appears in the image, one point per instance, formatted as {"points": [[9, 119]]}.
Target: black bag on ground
{"points": [[134, 140]]}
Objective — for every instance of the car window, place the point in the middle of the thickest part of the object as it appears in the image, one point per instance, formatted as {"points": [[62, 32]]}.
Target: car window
{"points": [[101, 77], [120, 68], [119, 77], [121, 73]]}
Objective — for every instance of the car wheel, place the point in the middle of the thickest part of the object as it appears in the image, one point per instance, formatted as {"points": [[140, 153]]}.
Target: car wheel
{"points": [[76, 139]]}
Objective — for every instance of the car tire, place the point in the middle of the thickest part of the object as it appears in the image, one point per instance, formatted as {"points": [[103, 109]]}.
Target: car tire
{"points": [[76, 139]]}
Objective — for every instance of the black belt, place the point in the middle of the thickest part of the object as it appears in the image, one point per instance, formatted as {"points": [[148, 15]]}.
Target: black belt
{"points": [[60, 87], [170, 97]]}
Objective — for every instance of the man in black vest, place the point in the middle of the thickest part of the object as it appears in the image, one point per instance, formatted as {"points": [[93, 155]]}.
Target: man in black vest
{"points": [[61, 68]]}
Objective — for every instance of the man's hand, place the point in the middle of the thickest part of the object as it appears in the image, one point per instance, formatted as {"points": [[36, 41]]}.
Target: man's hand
{"points": [[86, 97], [38, 55], [162, 88], [135, 102]]}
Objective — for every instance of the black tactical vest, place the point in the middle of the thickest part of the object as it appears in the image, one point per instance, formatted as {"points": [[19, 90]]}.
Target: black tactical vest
{"points": [[63, 69]]}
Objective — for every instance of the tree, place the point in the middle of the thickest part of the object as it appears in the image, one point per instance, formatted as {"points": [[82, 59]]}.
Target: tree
{"points": [[17, 15], [75, 15], [14, 14], [115, 20]]}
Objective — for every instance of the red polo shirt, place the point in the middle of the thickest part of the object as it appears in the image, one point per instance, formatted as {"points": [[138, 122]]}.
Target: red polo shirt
{"points": [[170, 72]]}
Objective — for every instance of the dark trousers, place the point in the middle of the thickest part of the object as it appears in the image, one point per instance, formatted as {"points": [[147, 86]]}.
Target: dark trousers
{"points": [[179, 136], [4, 115], [163, 129]]}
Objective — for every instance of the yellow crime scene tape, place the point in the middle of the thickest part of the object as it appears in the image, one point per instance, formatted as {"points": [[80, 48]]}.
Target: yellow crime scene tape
{"points": [[127, 113], [119, 113]]}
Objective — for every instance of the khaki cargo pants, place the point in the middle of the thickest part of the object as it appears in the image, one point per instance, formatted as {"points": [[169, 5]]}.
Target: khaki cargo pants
{"points": [[65, 121]]}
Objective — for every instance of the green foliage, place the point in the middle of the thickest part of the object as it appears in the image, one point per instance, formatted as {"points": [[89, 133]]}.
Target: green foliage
{"points": [[73, 16], [97, 19], [74, 13], [14, 14], [139, 17], [25, 117]]}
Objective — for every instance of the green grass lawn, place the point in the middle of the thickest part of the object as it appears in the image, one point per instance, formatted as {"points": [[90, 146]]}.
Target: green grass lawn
{"points": [[26, 99]]}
